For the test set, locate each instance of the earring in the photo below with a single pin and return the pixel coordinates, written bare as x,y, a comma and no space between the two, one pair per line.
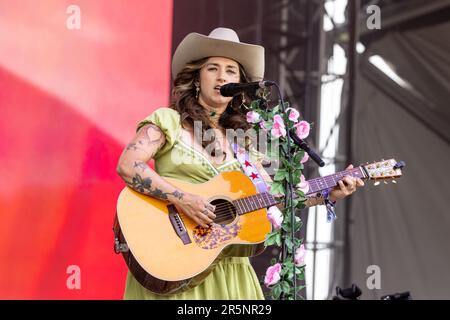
197,89
243,102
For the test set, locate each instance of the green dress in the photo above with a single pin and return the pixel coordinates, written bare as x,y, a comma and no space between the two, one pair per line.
233,277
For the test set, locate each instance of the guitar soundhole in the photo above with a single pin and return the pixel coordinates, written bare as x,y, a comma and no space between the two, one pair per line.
225,211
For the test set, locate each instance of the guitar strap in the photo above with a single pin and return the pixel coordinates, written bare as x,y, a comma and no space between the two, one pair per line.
249,168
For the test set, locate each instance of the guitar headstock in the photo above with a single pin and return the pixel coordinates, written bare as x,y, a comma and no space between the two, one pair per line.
384,170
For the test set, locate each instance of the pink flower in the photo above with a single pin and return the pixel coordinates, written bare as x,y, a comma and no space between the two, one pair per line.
272,275
278,128
303,185
293,114
275,216
302,129
305,158
299,257
253,117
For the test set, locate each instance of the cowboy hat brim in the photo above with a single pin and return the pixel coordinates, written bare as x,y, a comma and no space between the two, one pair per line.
196,46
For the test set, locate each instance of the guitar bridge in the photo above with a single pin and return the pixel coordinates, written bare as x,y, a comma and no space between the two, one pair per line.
178,224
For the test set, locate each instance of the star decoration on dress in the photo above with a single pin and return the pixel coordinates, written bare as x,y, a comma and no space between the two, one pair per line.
253,176
247,164
241,151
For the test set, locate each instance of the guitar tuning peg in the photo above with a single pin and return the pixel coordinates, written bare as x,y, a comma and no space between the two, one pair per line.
385,182
376,183
393,181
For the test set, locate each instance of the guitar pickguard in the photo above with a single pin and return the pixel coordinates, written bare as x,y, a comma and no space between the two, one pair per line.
216,235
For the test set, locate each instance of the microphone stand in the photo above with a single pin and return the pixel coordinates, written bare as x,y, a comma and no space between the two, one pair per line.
312,154
292,137
288,201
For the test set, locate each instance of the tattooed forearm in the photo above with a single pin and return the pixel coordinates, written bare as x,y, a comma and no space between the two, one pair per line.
140,165
144,185
132,146
177,194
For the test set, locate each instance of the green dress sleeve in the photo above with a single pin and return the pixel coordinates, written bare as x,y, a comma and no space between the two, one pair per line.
168,120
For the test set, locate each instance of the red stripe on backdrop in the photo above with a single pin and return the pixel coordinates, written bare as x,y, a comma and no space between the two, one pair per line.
69,101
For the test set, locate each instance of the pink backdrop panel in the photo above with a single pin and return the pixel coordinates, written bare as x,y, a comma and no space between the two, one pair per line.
70,99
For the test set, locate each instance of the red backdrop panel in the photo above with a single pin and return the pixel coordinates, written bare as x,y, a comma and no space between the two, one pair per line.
69,101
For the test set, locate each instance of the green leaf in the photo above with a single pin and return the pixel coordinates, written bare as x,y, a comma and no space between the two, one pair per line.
285,164
278,239
301,204
298,225
272,238
288,263
298,156
276,109
277,188
286,226
276,291
254,105
284,148
289,244
296,176
285,287
268,125
280,175
300,194
300,276
297,243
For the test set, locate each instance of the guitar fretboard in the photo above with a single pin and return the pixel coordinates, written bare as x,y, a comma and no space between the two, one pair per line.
255,202
330,181
265,199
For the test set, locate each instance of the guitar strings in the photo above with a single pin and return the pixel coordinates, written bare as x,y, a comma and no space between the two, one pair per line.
224,209
226,204
226,212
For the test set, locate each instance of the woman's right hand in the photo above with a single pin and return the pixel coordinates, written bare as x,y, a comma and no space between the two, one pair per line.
197,208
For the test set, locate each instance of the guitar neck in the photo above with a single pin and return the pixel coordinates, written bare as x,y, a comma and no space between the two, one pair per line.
265,199
254,202
322,183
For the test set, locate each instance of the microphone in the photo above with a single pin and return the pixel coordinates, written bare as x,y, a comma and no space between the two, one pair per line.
232,89
302,144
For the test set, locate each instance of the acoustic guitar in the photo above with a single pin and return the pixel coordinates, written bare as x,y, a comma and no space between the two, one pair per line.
168,253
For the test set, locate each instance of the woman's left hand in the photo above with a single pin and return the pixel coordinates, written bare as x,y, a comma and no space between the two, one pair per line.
346,186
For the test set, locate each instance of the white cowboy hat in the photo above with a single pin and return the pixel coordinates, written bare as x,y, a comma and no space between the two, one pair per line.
221,42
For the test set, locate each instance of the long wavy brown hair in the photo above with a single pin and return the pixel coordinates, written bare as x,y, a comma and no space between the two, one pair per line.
187,105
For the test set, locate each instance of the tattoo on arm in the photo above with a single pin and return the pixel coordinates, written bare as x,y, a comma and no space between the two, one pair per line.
141,165
144,185
132,146
153,137
177,194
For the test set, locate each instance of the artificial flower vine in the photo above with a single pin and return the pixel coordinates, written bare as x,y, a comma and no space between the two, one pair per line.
279,277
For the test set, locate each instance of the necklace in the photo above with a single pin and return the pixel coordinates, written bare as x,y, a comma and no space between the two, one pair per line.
214,117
